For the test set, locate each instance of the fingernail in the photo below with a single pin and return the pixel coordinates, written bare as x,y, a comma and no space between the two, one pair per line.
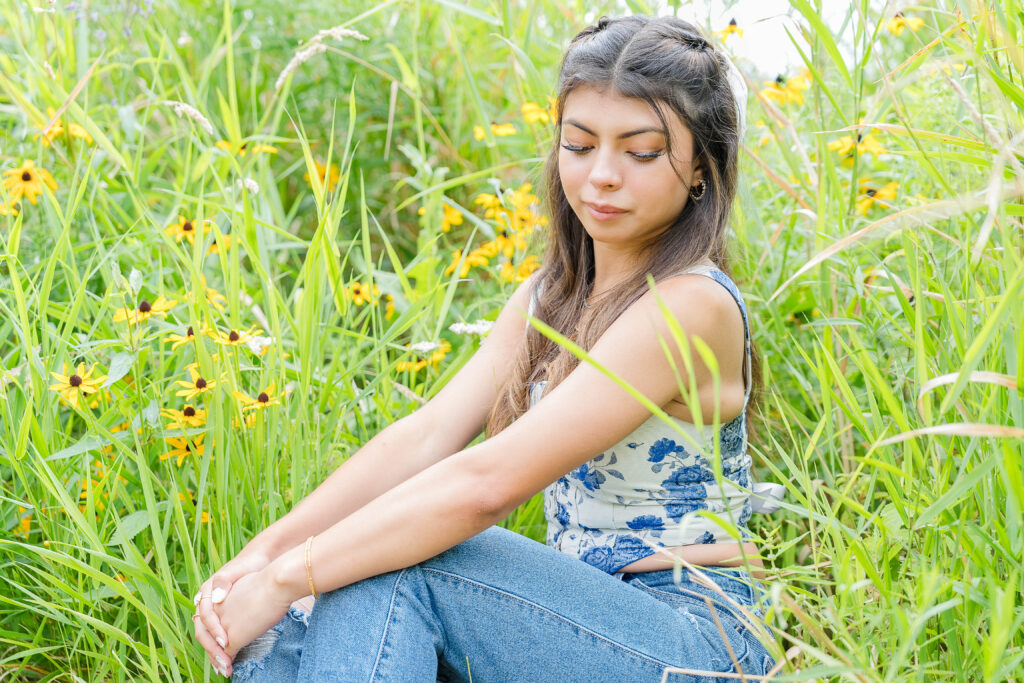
218,595
220,660
221,641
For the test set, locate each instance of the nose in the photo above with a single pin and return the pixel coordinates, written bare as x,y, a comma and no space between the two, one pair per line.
605,173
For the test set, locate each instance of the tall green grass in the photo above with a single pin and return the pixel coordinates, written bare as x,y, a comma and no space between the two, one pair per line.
891,339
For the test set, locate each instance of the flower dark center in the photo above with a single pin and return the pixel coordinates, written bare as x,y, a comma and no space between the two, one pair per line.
75,381
189,332
26,176
189,411
357,289
187,227
899,15
871,191
233,336
200,383
781,81
145,307
244,145
263,398
732,22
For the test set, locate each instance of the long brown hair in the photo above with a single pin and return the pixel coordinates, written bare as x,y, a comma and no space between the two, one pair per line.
670,65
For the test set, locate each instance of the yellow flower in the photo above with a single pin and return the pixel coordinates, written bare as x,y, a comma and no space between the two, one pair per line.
197,386
533,113
491,203
50,133
145,310
27,181
224,242
474,258
784,90
729,30
520,273
871,194
498,129
508,245
242,148
186,229
79,383
553,108
452,216
264,399
188,416
362,293
321,170
25,522
864,144
234,337
8,209
205,517
389,307
899,22
180,339
109,448
438,355
184,447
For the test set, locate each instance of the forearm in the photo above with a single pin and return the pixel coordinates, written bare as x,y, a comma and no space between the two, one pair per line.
429,513
389,458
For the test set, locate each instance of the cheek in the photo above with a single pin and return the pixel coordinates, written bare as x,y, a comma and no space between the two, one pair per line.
572,173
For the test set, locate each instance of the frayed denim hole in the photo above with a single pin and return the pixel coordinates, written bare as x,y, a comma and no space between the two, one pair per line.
299,615
253,657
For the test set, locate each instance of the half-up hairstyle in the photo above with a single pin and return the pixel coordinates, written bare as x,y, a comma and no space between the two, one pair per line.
669,64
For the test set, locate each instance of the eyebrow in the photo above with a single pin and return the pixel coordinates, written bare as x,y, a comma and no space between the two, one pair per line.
627,134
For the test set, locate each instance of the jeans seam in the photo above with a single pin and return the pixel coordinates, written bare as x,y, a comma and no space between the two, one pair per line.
540,608
387,624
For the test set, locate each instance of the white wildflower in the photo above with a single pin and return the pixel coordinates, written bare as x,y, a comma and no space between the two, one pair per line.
314,47
257,344
187,110
480,327
184,39
425,347
250,185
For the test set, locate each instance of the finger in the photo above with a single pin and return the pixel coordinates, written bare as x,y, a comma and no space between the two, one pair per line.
212,622
219,659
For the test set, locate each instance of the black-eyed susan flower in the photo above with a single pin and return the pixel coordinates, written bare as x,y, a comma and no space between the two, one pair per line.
863,144
79,383
27,181
179,339
56,129
183,447
264,399
321,170
785,90
196,386
242,148
187,229
870,194
235,337
363,293
899,22
729,30
145,310
533,113
8,209
222,242
188,416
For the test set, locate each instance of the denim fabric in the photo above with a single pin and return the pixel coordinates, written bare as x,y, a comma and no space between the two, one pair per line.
501,607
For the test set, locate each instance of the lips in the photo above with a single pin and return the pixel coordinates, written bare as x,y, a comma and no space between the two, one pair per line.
603,211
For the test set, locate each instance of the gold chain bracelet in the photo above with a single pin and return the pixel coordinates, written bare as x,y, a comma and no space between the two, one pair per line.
309,568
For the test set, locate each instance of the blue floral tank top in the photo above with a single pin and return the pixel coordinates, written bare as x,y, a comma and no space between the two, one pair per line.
641,493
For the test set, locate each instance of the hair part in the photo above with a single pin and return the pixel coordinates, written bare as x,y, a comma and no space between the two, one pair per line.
669,64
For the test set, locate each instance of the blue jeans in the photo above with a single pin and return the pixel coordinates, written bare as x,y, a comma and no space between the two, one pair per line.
502,607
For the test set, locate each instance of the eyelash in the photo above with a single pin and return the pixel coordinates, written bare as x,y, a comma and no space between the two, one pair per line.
643,158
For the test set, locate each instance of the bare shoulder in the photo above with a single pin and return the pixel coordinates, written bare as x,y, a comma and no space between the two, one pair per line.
701,306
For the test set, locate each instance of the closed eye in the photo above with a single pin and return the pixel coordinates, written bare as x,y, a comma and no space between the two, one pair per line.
639,156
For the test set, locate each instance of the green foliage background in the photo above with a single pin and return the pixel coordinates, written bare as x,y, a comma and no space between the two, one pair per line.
890,330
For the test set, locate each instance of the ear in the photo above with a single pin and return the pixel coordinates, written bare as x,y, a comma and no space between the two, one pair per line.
698,175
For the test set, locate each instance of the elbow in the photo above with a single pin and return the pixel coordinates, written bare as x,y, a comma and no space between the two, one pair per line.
485,487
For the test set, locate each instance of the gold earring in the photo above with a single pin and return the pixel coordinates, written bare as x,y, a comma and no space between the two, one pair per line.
703,189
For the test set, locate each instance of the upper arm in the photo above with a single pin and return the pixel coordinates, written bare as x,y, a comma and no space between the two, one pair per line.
458,413
588,412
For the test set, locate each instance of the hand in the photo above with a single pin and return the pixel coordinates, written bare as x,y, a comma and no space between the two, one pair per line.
254,605
208,629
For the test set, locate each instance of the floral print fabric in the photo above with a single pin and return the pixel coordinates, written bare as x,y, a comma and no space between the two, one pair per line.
642,493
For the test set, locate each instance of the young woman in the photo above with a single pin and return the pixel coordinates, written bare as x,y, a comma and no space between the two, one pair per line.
414,580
